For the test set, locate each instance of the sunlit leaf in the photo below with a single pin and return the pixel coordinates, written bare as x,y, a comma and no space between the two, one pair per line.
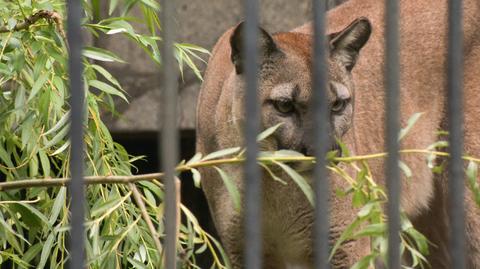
231,188
299,180
221,153
411,121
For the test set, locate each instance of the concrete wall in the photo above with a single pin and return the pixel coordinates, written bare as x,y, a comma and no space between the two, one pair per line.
199,22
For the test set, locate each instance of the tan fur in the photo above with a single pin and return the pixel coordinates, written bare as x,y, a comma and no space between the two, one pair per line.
423,51
423,57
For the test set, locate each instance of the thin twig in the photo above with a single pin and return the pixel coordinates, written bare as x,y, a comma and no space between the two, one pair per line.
28,183
32,19
141,205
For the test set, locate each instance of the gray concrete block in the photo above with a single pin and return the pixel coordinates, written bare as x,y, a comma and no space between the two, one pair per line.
198,22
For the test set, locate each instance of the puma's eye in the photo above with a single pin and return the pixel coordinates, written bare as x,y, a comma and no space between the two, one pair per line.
284,106
339,105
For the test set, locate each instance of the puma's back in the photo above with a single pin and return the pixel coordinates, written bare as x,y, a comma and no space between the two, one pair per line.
423,52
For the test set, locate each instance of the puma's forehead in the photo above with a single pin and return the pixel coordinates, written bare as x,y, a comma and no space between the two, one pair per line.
297,43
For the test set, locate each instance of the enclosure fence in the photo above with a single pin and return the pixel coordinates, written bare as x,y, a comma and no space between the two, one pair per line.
169,138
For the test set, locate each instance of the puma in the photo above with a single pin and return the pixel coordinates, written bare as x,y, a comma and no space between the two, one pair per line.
359,93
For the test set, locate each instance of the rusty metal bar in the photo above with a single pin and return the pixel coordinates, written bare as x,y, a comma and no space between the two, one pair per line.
77,103
169,131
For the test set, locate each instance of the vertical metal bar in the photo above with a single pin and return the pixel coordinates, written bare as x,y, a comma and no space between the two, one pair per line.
76,187
253,221
321,140
455,124
169,131
392,173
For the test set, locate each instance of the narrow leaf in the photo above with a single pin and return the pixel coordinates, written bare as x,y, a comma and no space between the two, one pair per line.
268,132
231,188
299,180
38,85
221,153
104,87
413,119
196,177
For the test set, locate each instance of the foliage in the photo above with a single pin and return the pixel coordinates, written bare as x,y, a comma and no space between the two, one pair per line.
34,115
34,126
365,194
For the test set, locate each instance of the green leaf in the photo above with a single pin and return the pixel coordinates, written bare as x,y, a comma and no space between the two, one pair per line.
359,198
61,148
193,47
32,252
44,162
419,239
57,205
38,85
299,180
60,123
107,88
221,153
105,206
39,65
112,6
35,212
365,263
231,188
101,55
375,229
151,3
5,157
196,177
47,248
136,264
366,209
287,153
268,132
413,119
346,234
197,157
107,75
405,169
272,175
473,181
58,137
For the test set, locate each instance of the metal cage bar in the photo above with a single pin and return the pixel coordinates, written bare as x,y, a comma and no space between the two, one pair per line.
169,132
455,128
392,104
321,140
252,222
77,103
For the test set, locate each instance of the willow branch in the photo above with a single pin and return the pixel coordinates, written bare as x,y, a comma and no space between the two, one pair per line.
32,19
141,205
54,182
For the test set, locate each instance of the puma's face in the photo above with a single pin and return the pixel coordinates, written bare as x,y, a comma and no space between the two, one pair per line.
285,84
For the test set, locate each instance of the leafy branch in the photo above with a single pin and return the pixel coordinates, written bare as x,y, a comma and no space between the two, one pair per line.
207,162
32,19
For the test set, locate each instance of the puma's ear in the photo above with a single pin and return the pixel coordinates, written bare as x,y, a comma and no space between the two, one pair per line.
346,44
267,46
